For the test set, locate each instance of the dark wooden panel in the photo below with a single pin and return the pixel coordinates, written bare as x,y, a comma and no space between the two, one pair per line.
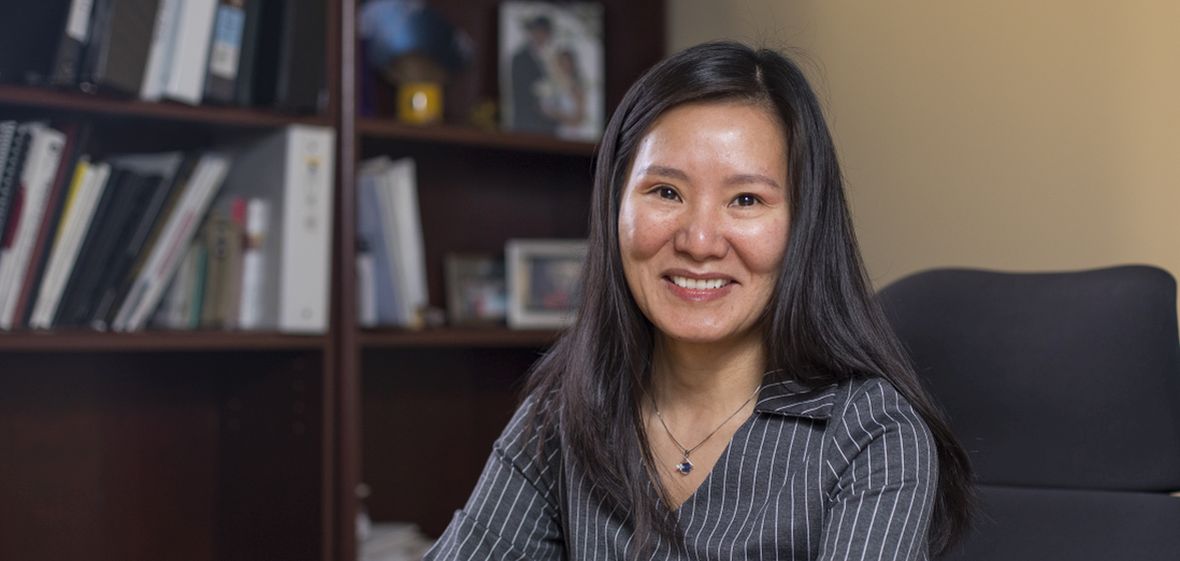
155,456
270,485
429,422
106,459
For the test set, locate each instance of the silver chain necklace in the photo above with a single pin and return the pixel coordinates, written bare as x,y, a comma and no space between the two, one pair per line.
686,466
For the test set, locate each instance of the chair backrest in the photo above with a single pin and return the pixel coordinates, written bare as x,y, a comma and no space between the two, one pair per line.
1056,380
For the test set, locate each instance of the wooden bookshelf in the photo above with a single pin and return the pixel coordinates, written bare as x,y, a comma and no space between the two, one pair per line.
472,337
375,128
74,104
154,341
195,445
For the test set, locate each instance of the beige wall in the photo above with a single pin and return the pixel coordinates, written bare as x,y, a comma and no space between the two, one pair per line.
1007,134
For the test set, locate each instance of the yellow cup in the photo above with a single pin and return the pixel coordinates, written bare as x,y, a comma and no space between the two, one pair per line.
419,102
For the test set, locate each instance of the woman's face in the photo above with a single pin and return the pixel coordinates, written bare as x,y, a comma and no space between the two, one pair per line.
703,220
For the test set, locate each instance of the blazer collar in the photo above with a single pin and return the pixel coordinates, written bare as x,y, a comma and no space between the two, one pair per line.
791,398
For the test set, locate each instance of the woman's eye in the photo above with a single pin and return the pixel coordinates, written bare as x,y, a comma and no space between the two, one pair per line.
667,193
745,199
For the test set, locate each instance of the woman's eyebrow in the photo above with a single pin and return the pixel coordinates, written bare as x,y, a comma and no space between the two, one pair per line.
665,171
746,178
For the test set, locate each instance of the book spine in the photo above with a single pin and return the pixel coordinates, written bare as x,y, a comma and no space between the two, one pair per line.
186,81
10,177
74,39
300,83
49,286
254,264
232,288
225,52
408,225
214,235
306,230
163,43
45,156
244,87
127,41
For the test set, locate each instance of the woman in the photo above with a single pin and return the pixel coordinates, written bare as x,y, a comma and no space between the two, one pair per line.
567,102
729,389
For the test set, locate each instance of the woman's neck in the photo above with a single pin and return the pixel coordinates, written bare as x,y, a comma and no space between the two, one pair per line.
706,377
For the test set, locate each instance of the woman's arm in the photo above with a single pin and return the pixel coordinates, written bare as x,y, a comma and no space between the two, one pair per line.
513,512
886,465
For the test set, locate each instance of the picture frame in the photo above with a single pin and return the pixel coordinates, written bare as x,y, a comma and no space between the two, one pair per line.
476,287
543,282
551,69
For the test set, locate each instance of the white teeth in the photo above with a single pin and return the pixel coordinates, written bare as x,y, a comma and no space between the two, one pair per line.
698,284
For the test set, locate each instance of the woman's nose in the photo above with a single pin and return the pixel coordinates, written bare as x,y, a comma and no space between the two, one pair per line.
701,234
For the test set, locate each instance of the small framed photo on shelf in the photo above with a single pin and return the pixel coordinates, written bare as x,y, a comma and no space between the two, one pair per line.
551,68
543,282
476,289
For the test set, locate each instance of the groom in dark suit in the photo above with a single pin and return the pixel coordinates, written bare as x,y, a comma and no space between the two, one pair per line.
528,72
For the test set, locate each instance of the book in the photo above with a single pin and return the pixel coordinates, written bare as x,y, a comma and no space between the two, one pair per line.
225,53
194,27
366,290
76,137
247,60
212,237
167,169
100,23
371,227
163,44
90,184
180,309
10,177
36,182
222,238
292,169
398,197
177,169
232,289
8,139
289,71
72,44
168,250
253,263
88,264
133,193
121,42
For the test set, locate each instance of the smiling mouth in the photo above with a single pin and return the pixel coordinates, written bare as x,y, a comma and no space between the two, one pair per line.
698,284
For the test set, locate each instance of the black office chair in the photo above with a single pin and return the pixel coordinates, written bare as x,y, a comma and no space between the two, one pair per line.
1065,390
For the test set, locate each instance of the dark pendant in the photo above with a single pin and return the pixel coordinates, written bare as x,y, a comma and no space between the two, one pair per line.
684,467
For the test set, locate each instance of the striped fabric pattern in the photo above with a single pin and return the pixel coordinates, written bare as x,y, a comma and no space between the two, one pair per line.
843,473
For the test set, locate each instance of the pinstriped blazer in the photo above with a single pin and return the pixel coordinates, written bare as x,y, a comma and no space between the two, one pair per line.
846,472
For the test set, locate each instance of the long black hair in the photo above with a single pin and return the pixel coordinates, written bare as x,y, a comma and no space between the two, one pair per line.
822,325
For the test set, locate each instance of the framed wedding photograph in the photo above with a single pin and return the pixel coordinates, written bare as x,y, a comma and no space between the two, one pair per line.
543,282
551,69
477,293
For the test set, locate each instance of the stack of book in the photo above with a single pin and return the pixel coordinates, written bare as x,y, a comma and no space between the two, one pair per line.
96,243
391,262
259,53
